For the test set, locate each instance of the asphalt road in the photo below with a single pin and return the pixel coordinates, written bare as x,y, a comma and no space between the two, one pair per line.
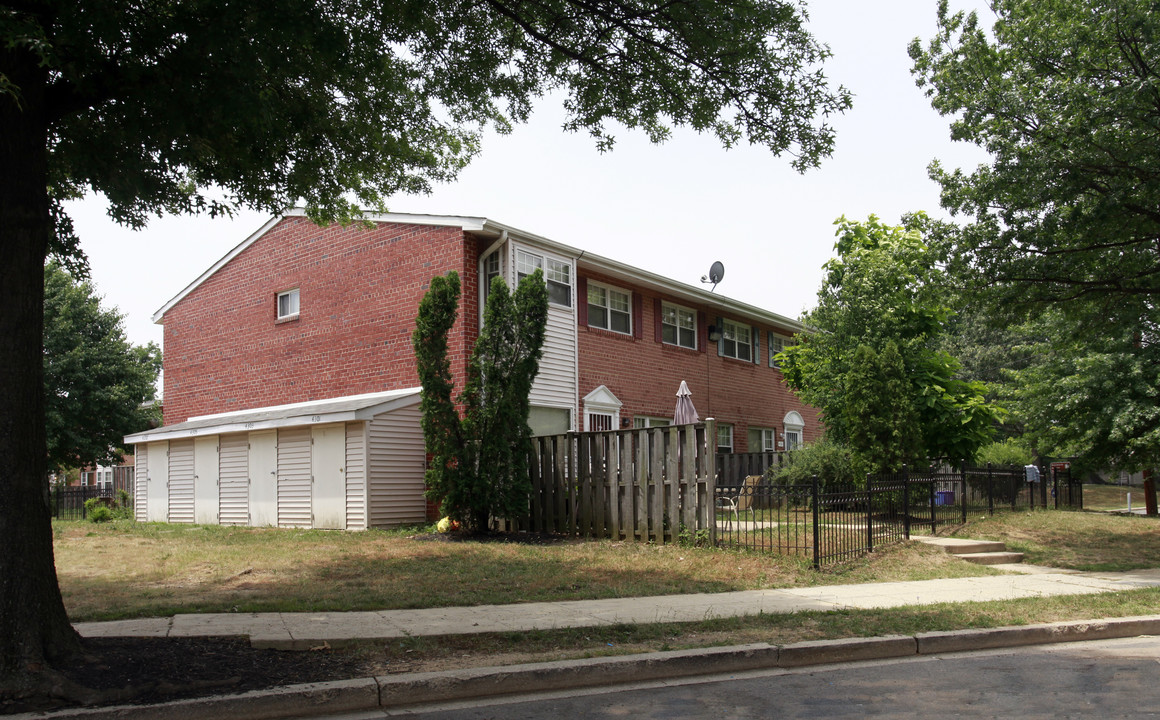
1099,679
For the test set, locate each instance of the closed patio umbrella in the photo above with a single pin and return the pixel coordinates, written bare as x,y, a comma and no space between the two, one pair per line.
685,412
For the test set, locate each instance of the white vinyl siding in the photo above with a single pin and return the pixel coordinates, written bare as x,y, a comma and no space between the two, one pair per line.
294,477
141,488
157,508
356,476
181,480
205,480
396,457
233,474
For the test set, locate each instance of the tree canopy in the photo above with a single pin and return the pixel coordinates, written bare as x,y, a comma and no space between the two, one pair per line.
95,382
871,358
1065,96
210,105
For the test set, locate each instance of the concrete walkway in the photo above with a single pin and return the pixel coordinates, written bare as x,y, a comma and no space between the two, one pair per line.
300,631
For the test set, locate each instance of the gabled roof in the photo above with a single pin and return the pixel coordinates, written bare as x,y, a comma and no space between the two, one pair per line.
315,412
491,229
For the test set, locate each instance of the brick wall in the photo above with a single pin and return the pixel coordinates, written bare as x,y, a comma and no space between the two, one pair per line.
645,373
359,290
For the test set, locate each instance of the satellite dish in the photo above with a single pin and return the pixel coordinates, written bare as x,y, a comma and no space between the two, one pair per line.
716,272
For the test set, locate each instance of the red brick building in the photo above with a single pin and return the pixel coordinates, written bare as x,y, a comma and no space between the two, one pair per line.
298,316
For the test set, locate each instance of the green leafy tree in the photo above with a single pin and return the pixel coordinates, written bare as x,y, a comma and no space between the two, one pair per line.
95,382
208,105
479,467
882,290
1062,94
879,414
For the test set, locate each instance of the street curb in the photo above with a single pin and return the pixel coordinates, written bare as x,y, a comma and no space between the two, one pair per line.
394,691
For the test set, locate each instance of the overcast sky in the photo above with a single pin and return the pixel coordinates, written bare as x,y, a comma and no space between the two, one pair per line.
672,209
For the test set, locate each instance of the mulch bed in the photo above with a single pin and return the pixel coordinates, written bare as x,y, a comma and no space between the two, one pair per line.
153,670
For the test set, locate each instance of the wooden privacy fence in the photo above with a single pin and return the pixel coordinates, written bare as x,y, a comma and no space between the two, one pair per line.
648,484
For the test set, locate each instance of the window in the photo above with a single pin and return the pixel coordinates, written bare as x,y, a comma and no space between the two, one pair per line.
609,309
793,439
736,340
794,425
557,274
599,422
288,304
762,440
491,270
777,343
644,421
678,326
724,438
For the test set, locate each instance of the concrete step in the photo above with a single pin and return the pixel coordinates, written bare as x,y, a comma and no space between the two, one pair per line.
991,558
960,546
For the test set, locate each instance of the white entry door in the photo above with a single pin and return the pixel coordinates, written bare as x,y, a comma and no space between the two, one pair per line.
328,466
263,469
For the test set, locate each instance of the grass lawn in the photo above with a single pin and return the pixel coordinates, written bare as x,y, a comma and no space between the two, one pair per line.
1076,540
126,569
1112,497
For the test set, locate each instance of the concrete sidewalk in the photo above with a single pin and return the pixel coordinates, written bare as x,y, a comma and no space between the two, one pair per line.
299,631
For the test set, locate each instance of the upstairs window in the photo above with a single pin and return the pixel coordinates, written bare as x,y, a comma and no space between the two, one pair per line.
678,326
736,341
777,343
609,309
288,304
491,270
557,274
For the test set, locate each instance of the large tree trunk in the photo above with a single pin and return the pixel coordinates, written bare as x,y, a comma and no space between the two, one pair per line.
35,633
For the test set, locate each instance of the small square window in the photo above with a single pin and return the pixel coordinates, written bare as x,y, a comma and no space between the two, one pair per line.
288,304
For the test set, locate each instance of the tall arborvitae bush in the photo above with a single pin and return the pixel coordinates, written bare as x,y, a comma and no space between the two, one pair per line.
479,463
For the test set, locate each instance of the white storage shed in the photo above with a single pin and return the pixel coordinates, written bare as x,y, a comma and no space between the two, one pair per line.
345,463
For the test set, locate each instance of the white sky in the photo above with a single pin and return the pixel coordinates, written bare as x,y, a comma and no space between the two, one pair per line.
671,209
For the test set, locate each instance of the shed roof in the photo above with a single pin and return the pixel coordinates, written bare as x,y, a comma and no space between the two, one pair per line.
314,412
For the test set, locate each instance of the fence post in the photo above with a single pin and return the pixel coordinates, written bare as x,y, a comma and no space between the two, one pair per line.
869,513
817,524
963,490
905,503
990,492
1055,487
933,512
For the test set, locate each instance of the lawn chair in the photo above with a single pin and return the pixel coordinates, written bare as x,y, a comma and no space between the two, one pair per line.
741,501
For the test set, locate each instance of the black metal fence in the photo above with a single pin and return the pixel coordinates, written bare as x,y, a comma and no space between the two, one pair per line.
68,502
828,522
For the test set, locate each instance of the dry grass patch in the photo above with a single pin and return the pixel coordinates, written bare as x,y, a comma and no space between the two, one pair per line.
141,570
1075,540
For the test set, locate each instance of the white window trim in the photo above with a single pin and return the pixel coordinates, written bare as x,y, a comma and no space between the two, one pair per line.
650,421
765,434
691,311
294,293
541,261
602,401
794,428
786,341
608,309
732,439
725,324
